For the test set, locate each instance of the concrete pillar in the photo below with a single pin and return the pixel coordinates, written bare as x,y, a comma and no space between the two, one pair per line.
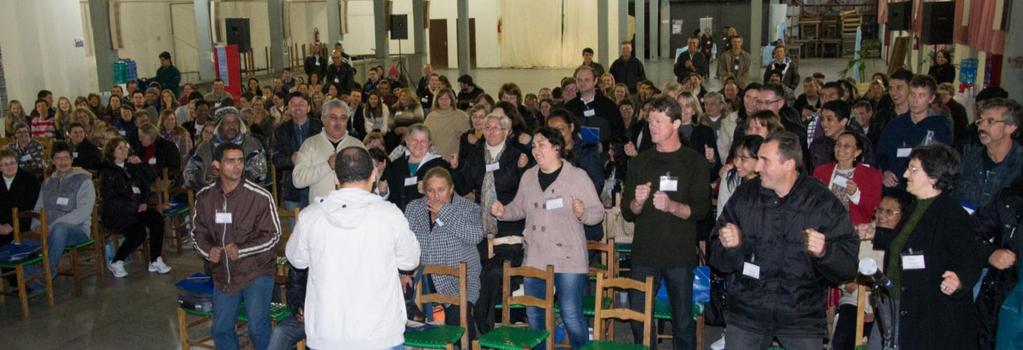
623,25
666,51
381,28
204,39
639,47
99,15
333,22
275,13
418,26
655,24
756,23
463,37
602,29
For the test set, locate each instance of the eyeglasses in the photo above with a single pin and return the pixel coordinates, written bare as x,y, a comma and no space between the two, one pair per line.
767,102
886,212
988,121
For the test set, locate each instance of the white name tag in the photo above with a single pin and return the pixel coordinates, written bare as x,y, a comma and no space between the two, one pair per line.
439,223
317,63
840,181
751,270
26,158
135,190
589,113
556,203
903,152
121,132
411,181
152,161
493,167
425,99
74,155
913,262
223,218
668,184
337,80
62,201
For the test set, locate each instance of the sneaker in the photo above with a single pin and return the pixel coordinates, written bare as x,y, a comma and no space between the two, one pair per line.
117,268
159,266
720,344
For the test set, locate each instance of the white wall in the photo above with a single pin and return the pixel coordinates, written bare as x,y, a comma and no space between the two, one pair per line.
37,39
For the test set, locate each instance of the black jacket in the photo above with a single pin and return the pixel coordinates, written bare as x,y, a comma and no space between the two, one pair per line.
466,98
628,72
587,157
702,137
311,66
699,62
285,145
603,114
465,148
120,202
22,194
166,157
929,319
87,156
996,225
639,135
396,173
472,169
789,297
342,76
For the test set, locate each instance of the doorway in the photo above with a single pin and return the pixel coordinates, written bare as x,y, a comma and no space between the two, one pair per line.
439,43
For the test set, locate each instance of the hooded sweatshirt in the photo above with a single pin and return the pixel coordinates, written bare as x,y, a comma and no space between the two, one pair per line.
353,242
68,199
197,169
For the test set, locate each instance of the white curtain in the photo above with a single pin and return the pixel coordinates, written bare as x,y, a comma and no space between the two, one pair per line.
534,35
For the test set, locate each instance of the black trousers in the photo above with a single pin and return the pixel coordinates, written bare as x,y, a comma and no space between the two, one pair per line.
135,234
845,330
679,283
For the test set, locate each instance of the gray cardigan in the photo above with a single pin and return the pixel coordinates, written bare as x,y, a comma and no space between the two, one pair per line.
451,240
555,236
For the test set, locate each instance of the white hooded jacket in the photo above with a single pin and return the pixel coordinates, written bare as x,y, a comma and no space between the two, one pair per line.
353,242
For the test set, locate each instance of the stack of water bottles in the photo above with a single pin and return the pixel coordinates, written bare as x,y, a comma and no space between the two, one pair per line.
125,70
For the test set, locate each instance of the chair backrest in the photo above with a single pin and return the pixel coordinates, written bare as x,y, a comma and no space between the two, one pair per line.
608,257
273,182
606,288
547,304
462,299
42,234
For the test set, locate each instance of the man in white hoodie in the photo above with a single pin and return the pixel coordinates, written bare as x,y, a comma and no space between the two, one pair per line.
314,161
354,243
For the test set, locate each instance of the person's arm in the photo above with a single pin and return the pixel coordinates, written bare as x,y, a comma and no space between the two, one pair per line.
965,254
268,231
463,222
841,247
297,249
515,210
406,249
727,260
594,212
629,190
255,166
194,174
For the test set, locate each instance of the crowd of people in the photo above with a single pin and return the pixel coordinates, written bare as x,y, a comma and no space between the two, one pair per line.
781,194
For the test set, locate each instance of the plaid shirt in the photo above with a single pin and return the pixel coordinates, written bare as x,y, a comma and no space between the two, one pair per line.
449,241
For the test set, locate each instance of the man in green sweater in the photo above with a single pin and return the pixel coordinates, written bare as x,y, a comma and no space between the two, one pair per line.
667,189
168,75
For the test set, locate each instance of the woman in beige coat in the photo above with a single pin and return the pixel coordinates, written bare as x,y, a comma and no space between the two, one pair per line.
556,199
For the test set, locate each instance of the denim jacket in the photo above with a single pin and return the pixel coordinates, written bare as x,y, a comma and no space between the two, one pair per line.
977,186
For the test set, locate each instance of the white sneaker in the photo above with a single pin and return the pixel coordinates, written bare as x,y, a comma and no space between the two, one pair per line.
117,268
719,345
159,266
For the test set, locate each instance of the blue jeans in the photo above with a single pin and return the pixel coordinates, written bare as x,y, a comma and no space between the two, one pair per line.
569,296
61,236
257,307
287,334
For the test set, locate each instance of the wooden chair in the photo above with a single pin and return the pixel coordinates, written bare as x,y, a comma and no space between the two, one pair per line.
608,286
443,336
81,255
507,337
273,182
19,268
174,216
287,218
188,319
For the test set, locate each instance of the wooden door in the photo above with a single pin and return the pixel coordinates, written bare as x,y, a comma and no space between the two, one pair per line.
472,43
439,43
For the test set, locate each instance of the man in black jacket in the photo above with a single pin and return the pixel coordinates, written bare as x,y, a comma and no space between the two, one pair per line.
339,74
627,69
596,115
288,138
691,61
315,63
786,240
289,332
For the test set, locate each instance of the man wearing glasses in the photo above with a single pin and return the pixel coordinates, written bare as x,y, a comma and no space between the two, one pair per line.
988,169
314,162
772,97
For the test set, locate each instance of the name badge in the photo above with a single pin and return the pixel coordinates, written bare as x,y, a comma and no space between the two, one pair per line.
62,201
903,152
589,113
492,167
337,80
135,190
556,203
751,270
668,184
425,99
74,155
411,181
152,161
223,218
317,63
736,68
840,181
122,132
913,262
439,223
26,158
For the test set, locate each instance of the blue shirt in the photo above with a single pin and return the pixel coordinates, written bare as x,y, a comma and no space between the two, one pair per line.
902,133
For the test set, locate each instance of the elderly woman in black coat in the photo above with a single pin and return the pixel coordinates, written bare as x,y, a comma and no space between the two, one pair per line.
932,259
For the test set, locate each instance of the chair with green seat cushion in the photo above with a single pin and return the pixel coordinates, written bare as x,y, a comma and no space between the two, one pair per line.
606,287
508,337
443,337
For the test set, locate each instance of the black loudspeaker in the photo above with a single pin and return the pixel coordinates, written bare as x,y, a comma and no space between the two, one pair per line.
399,27
939,22
238,33
899,14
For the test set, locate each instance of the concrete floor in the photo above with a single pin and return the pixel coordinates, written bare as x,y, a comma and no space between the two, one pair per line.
138,312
